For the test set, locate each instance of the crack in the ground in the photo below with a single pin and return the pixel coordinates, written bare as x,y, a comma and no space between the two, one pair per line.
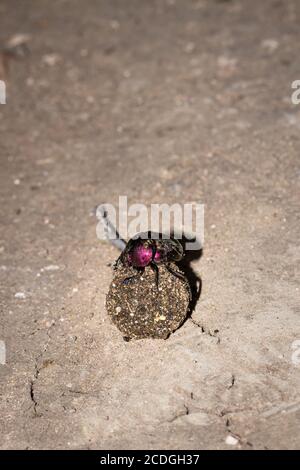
220,415
184,412
37,370
232,382
231,412
204,330
234,434
32,391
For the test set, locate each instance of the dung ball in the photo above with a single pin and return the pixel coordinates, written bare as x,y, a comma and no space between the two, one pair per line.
142,309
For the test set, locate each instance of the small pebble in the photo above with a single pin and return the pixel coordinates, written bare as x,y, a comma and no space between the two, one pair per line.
115,24
270,44
190,47
51,59
231,440
20,295
51,267
2,353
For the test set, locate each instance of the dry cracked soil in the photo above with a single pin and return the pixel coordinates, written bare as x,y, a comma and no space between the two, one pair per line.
162,101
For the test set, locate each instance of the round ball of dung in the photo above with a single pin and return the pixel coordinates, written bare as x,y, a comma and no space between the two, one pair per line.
141,308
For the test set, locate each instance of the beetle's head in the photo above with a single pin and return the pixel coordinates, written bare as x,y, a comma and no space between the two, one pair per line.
141,254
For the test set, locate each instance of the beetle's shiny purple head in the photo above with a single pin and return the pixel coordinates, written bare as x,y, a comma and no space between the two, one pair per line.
140,252
140,256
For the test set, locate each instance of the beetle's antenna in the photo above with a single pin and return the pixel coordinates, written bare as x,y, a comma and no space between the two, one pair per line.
111,233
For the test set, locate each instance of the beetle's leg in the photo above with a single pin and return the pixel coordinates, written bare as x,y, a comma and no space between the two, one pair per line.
156,270
180,276
117,262
175,273
133,278
130,279
121,260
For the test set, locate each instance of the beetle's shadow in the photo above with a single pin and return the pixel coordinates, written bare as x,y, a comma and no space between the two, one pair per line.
184,265
194,279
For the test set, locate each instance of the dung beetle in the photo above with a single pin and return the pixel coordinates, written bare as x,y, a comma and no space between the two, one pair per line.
144,249
151,249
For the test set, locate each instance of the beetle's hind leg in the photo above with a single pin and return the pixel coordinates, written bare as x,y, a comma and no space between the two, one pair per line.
175,273
180,276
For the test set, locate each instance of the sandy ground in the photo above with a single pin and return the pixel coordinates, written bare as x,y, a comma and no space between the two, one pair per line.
162,101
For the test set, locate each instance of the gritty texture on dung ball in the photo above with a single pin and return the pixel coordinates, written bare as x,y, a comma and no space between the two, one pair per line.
140,310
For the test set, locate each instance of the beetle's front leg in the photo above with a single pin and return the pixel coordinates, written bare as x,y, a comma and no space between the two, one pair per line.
156,270
116,263
130,279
